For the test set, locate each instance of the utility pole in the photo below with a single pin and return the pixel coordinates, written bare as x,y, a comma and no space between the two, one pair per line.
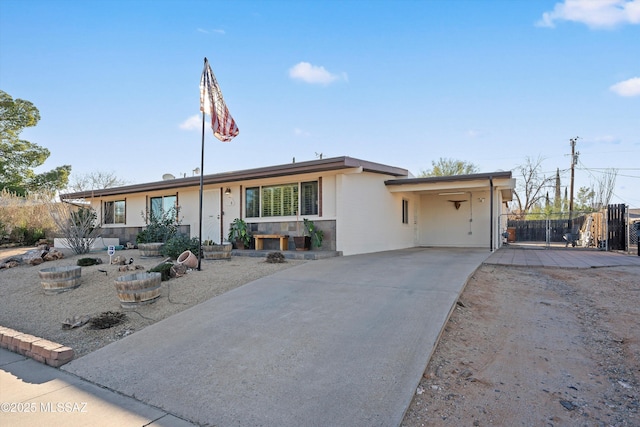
574,160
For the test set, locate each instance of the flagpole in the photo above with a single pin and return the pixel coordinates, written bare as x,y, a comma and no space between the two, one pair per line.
201,186
223,126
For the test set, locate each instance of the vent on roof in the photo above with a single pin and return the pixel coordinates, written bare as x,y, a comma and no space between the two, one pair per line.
168,176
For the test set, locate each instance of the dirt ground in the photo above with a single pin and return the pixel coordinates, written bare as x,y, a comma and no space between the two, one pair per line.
537,347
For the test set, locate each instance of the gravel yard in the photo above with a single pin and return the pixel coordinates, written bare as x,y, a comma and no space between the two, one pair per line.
25,307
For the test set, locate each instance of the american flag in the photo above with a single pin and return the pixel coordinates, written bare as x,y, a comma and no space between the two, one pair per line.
212,103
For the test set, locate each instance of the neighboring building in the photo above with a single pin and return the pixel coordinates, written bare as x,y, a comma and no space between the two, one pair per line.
361,206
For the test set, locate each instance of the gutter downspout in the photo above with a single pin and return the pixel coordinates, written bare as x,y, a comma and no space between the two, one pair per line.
491,214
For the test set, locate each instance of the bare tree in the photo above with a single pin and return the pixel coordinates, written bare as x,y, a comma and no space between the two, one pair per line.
95,181
604,186
531,185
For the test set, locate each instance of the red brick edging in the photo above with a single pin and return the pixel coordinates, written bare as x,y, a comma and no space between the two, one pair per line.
41,350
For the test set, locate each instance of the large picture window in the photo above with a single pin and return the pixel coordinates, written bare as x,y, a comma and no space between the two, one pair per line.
114,212
282,200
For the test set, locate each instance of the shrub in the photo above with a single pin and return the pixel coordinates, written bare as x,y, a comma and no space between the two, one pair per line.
76,224
29,214
85,262
160,228
164,270
26,236
275,258
178,244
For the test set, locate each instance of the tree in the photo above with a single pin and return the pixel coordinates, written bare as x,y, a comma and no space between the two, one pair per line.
531,185
19,157
448,167
95,181
585,199
604,188
557,200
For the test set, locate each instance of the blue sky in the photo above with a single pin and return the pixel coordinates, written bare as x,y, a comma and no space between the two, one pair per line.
402,83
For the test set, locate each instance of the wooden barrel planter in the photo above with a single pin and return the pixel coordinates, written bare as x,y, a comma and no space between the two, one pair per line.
149,250
138,289
60,279
222,251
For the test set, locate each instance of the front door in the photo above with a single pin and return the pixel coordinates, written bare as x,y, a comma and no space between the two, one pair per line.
211,215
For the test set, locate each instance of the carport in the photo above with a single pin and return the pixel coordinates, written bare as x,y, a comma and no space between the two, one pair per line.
459,210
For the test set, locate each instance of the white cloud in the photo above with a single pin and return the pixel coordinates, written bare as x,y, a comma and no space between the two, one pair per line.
629,87
193,122
313,74
594,13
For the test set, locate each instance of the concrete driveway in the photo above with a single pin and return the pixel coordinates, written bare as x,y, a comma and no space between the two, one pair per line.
335,342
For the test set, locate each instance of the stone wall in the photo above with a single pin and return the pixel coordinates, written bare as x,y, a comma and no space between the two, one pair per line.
295,228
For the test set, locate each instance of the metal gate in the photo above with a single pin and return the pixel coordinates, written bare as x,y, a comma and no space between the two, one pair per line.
617,226
604,230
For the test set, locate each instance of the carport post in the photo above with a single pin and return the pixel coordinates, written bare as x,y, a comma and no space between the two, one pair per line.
491,213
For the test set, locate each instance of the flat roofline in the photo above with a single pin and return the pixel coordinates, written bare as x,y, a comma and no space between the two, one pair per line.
451,178
311,166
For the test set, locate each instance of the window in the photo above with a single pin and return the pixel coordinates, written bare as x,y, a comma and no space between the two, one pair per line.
252,208
161,205
309,198
280,200
405,211
114,212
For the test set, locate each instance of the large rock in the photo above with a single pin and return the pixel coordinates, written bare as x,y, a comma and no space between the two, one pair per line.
53,255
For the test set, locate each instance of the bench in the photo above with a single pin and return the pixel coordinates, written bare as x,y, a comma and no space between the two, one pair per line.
259,238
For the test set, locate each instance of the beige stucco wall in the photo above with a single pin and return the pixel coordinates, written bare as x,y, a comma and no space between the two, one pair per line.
369,217
443,225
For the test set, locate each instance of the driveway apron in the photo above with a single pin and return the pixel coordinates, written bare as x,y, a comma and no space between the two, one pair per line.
335,342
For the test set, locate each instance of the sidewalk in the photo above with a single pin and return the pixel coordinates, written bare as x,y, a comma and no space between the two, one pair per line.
560,257
32,394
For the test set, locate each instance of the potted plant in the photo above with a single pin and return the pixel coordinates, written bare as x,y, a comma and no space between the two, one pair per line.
159,229
239,234
312,236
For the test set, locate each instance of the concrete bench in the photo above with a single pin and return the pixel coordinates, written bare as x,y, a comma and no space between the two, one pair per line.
259,238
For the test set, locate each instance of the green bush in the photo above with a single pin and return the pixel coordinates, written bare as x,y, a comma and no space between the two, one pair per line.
85,262
164,270
26,236
159,229
178,244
